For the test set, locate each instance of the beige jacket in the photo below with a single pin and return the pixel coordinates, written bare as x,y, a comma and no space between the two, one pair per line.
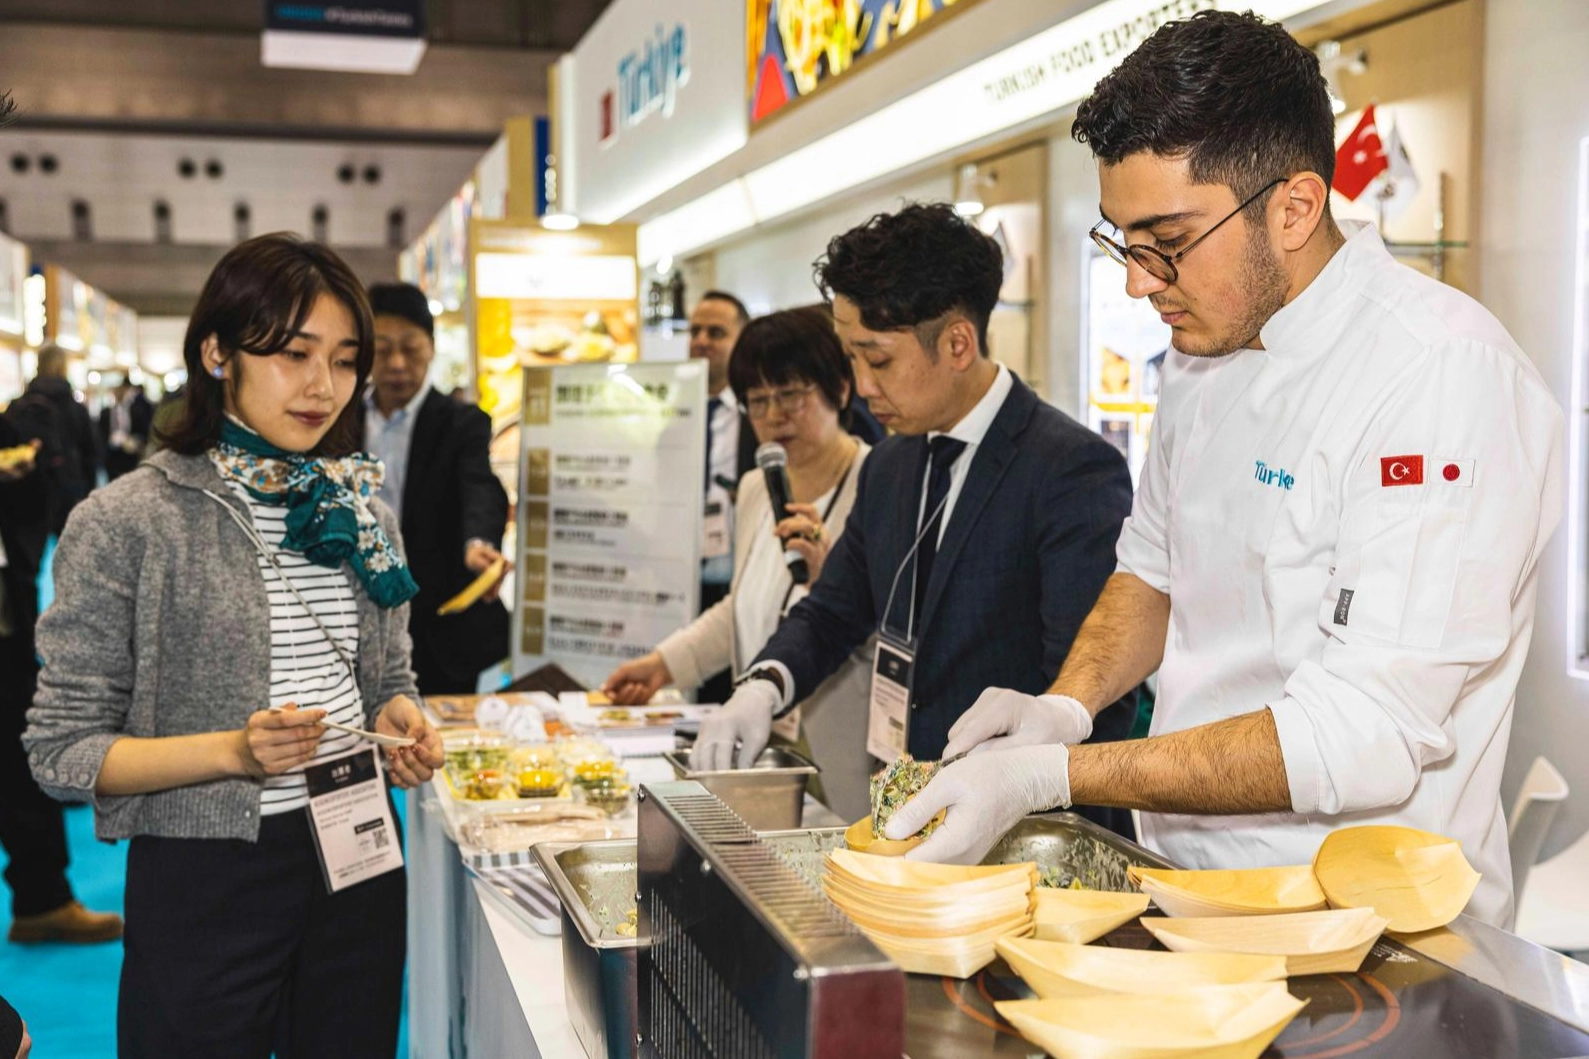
834,716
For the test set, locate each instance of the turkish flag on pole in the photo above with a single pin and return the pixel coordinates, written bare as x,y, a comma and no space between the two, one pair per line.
1360,158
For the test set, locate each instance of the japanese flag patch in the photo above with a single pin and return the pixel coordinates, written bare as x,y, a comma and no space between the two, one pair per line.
1448,471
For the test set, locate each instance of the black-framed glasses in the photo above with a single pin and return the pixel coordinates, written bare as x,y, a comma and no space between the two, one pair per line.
1157,263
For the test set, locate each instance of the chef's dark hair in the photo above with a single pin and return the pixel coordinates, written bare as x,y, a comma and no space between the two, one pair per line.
1233,94
254,303
793,347
909,270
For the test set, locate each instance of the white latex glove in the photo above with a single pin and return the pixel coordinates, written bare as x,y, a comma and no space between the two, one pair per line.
1001,719
986,795
743,722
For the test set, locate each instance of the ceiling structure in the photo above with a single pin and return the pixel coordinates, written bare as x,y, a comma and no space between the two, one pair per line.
157,119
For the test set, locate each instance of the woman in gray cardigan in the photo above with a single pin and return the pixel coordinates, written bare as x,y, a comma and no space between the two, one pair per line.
795,383
212,608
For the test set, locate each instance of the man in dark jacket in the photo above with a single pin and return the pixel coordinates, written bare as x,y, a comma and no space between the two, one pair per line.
31,827
51,412
440,483
124,429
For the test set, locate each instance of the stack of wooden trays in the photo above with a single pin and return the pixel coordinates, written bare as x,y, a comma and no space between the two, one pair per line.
938,919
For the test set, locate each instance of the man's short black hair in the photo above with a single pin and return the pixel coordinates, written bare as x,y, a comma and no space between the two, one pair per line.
723,296
405,301
912,268
1233,94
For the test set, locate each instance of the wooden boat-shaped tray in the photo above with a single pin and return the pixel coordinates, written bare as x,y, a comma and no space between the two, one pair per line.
1058,969
1214,1022
1414,879
1333,941
1231,892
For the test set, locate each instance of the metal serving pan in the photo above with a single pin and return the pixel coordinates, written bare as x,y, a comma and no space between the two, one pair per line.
768,796
595,884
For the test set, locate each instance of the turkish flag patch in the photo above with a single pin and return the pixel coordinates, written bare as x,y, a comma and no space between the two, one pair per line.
1400,470
1453,472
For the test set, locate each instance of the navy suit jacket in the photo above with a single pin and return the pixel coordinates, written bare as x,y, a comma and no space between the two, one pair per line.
1029,545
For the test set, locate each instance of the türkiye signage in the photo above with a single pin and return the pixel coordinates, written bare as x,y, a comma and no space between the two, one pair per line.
649,79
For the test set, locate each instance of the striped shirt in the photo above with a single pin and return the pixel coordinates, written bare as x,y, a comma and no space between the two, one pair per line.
304,668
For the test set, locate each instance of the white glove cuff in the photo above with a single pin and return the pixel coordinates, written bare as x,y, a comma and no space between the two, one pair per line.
1076,719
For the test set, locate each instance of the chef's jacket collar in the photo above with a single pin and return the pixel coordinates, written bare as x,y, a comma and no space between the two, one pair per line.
1296,325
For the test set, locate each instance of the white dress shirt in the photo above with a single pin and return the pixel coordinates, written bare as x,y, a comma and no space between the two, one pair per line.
1348,525
723,464
971,429
389,440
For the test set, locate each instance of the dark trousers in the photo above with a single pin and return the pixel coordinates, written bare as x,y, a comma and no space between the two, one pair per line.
31,827
235,950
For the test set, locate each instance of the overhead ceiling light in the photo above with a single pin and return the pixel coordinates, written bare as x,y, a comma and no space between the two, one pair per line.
968,203
560,222
664,264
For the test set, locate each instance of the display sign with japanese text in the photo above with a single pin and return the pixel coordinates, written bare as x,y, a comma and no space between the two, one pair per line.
609,512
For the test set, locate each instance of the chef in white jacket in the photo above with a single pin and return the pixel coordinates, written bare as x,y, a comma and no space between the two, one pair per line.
1332,556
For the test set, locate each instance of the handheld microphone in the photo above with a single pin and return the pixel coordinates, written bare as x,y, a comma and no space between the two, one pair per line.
774,464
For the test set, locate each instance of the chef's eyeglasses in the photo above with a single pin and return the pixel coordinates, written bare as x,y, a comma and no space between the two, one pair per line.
1157,263
790,401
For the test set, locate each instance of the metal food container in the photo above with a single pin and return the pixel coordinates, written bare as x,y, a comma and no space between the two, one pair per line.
768,796
595,883
1065,847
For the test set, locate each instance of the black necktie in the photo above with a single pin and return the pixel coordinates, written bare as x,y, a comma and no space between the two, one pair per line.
711,414
944,451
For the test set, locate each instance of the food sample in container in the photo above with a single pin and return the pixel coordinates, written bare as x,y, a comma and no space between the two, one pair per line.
539,756
892,786
484,785
469,753
597,772
610,795
540,783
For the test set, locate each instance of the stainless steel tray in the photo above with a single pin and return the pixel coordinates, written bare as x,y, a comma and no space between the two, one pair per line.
595,884
1065,845
768,796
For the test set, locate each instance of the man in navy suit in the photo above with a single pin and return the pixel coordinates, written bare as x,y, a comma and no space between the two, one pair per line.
983,531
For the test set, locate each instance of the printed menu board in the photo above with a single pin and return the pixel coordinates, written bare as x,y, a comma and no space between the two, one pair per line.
609,512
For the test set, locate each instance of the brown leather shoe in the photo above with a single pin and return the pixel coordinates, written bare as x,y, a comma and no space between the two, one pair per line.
71,922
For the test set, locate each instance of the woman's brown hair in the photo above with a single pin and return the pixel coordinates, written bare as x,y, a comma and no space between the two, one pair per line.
254,302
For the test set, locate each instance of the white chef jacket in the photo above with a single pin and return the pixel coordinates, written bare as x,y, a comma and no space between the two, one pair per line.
1348,524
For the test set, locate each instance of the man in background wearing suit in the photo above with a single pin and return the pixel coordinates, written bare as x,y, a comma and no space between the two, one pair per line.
715,324
982,532
124,429
439,481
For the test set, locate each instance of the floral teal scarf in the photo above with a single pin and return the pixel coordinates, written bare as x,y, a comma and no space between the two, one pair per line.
328,508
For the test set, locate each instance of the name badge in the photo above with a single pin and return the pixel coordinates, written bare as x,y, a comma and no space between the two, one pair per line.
716,543
888,721
352,819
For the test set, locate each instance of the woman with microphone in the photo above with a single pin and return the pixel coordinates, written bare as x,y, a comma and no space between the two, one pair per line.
795,384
